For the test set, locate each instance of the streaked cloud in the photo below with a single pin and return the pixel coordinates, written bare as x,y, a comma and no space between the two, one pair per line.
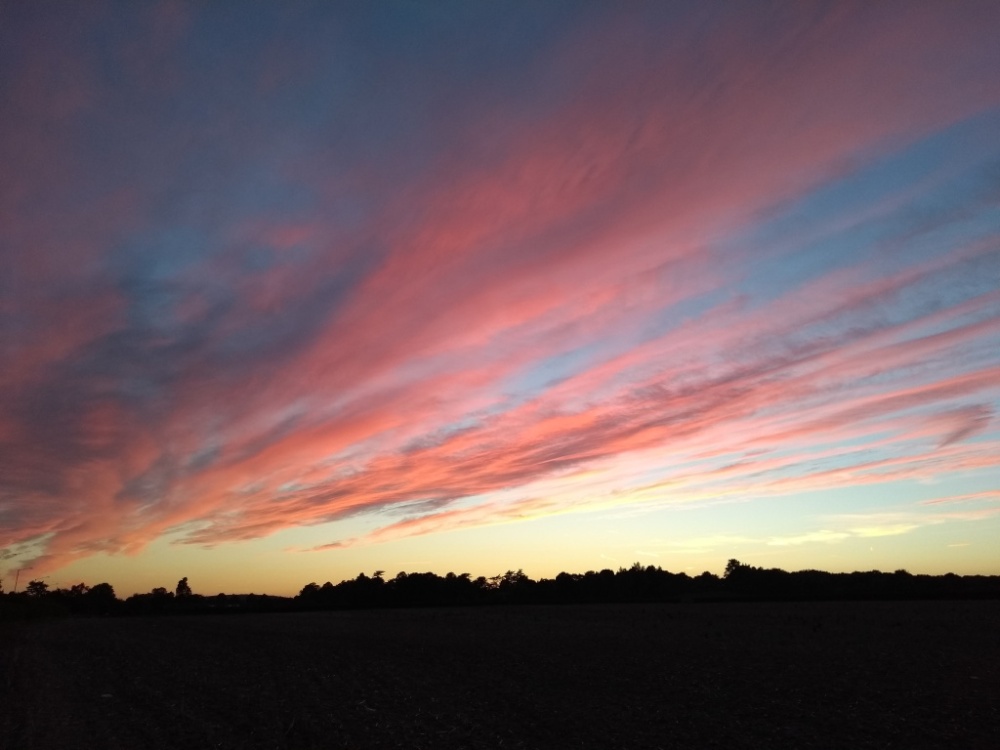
402,277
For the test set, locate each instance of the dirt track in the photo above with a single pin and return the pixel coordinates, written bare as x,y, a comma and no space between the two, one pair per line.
663,676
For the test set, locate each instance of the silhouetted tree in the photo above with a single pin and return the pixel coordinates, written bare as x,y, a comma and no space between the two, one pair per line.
309,590
101,599
183,589
37,589
733,567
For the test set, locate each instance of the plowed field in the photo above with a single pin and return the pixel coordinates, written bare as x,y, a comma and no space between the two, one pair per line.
816,675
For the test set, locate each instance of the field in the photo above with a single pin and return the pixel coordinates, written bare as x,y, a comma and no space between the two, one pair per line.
815,675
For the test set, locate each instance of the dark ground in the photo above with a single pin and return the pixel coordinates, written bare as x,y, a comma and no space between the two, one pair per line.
814,675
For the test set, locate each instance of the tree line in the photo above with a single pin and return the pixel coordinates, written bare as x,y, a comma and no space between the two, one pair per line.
39,600
638,583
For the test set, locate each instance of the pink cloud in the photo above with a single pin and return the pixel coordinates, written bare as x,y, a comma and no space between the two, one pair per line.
571,230
988,496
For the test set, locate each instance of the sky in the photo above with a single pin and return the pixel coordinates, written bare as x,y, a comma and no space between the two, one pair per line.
293,291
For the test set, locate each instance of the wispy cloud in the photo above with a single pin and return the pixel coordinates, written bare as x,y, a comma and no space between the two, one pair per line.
615,273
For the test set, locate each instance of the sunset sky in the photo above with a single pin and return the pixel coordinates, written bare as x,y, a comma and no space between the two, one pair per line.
291,291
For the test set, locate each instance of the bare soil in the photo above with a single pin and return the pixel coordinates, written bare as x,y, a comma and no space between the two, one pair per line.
814,675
